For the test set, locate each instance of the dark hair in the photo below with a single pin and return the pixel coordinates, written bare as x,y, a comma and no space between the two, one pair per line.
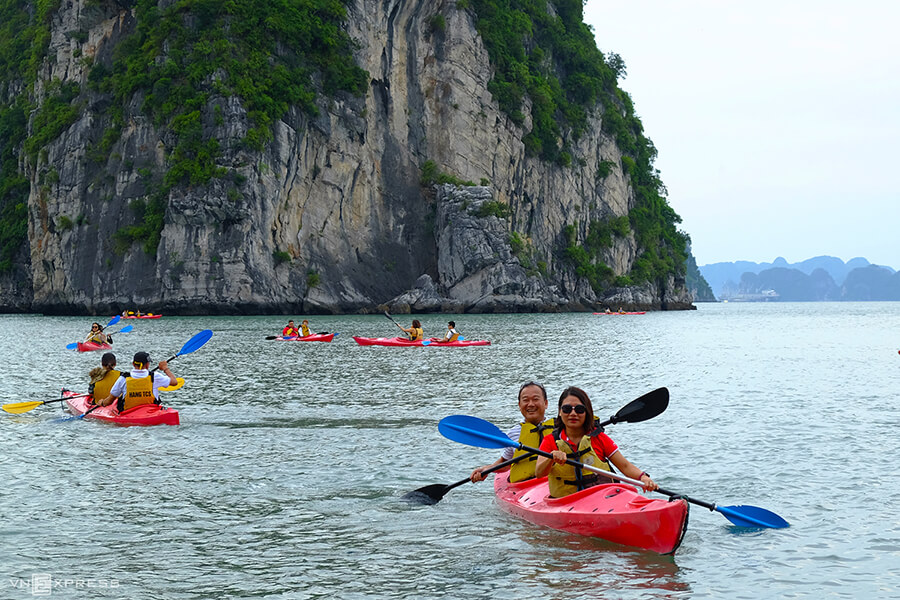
416,324
452,323
291,321
583,398
141,358
529,384
99,326
108,360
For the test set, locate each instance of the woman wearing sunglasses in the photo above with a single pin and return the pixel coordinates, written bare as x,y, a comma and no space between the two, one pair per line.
97,336
576,437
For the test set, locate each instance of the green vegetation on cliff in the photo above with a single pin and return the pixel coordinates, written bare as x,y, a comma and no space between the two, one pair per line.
544,51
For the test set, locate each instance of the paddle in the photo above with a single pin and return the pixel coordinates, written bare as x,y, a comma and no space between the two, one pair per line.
473,431
646,407
424,342
113,321
192,345
171,388
125,329
23,407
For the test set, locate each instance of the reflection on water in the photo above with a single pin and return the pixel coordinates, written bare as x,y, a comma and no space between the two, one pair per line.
287,475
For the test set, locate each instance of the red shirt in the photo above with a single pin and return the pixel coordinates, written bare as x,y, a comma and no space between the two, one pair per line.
289,331
602,444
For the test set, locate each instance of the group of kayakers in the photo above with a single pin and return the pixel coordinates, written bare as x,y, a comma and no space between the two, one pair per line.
414,333
573,434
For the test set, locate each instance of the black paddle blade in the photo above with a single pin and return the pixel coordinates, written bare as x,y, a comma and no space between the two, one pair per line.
646,407
430,494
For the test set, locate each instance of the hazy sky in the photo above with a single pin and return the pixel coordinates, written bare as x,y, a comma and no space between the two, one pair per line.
777,123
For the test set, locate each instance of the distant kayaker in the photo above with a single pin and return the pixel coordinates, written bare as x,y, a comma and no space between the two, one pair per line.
290,330
415,332
304,328
530,432
138,387
451,335
577,437
97,336
103,377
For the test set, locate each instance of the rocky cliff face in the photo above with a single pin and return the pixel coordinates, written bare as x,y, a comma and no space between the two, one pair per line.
331,216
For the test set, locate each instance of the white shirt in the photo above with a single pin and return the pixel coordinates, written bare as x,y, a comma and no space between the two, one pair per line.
159,380
450,332
512,433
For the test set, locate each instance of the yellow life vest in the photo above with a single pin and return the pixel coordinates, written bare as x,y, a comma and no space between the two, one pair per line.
101,388
454,337
566,479
530,435
416,334
97,338
304,330
137,392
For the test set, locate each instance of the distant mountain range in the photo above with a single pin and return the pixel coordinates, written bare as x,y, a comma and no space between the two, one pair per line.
814,279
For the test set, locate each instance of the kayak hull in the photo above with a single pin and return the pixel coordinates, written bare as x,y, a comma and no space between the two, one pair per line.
92,346
145,414
143,317
614,512
315,337
432,342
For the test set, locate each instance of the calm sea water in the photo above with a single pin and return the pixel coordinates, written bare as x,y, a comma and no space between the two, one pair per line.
285,477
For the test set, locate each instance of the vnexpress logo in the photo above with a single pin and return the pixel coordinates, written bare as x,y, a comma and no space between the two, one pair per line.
43,584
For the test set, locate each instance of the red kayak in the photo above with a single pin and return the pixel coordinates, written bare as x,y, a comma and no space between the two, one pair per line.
432,342
143,317
313,337
643,312
145,414
91,346
615,512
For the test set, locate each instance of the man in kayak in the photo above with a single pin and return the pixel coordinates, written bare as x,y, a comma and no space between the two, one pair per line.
576,436
290,330
450,336
140,386
530,432
103,377
415,332
97,336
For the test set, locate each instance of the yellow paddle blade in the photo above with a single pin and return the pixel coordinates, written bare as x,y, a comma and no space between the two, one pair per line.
172,388
21,407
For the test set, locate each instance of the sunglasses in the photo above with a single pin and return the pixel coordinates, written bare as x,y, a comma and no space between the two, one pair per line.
578,408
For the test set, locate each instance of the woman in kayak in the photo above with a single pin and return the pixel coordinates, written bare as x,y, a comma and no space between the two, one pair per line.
97,336
415,332
304,328
530,432
577,437
103,377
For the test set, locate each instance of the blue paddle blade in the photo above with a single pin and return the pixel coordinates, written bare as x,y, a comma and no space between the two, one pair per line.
752,516
336,334
473,431
196,342
72,346
114,320
126,329
426,342
461,339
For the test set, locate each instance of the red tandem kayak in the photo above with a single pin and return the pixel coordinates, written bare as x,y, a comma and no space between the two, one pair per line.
315,337
614,512
145,414
91,346
643,312
432,342
143,317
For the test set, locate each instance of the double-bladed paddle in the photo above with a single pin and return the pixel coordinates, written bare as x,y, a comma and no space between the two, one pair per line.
424,342
23,407
113,321
646,407
473,431
192,345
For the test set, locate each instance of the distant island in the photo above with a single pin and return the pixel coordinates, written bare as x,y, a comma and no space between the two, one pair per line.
822,278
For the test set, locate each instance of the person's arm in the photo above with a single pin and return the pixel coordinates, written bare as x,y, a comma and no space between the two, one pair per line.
629,470
117,390
477,475
543,464
164,367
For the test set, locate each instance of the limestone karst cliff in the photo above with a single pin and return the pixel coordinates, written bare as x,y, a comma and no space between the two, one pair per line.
364,197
